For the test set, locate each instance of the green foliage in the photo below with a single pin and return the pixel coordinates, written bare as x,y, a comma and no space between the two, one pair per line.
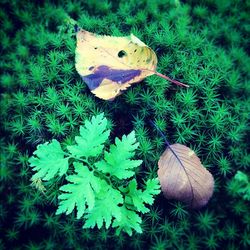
48,161
91,139
117,162
137,197
204,44
179,210
81,190
206,221
107,206
94,190
240,185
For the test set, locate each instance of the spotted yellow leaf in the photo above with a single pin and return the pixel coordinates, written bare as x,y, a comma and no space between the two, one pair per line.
109,65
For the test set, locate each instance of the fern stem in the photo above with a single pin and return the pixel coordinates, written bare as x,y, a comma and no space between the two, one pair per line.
79,159
103,176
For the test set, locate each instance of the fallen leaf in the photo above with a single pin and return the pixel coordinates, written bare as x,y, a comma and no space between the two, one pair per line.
183,177
109,65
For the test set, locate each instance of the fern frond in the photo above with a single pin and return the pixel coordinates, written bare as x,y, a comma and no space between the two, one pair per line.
117,161
79,192
92,137
49,161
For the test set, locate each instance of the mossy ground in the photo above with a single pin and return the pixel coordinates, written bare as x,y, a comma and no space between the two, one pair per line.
202,43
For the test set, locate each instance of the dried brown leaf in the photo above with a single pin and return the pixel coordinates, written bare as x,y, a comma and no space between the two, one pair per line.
183,177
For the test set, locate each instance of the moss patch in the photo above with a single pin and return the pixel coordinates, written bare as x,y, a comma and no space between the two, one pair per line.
201,43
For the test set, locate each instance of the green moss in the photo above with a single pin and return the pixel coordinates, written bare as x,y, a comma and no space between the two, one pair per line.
201,43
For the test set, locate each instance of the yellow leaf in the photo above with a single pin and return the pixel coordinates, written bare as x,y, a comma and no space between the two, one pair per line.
109,65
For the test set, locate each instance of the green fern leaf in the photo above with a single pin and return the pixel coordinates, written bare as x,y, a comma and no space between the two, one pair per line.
152,188
117,162
106,207
92,137
48,161
81,190
93,189
129,220
139,198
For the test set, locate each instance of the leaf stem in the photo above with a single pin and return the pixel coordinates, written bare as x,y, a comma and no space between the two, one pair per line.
161,133
177,157
171,80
